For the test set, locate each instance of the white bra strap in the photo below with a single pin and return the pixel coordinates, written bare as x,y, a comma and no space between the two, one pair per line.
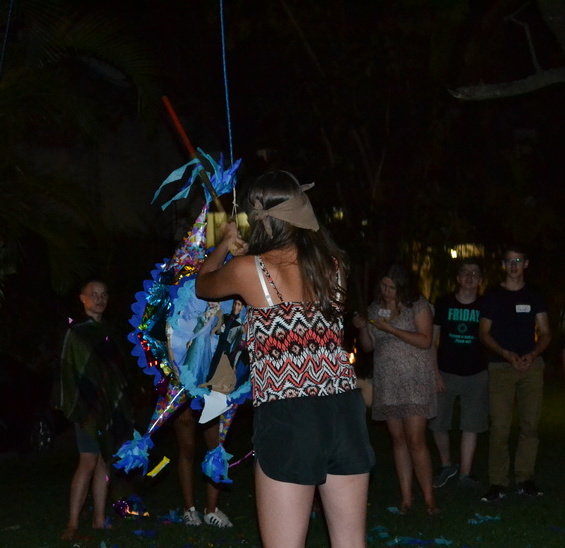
263,282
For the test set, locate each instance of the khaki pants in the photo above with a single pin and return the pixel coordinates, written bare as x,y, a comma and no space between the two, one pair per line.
506,387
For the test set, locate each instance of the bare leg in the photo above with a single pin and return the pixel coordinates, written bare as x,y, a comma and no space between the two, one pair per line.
185,431
212,439
100,493
415,431
345,508
442,444
283,510
468,445
402,461
79,490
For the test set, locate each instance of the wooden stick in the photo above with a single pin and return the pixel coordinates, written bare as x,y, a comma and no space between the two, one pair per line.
192,152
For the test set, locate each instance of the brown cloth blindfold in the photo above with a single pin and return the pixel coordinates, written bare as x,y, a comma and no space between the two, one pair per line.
296,211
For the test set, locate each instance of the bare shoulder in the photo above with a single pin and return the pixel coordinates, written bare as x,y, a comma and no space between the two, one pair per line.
245,280
243,264
241,272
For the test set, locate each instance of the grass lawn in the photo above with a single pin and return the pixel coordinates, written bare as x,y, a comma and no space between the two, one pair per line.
34,500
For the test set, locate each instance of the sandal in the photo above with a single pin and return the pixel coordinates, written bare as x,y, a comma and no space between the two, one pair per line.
432,511
403,510
218,519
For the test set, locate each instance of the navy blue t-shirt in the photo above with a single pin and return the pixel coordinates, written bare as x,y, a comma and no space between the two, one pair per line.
513,316
459,351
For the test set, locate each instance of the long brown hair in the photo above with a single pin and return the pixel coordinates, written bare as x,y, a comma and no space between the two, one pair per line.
407,291
316,251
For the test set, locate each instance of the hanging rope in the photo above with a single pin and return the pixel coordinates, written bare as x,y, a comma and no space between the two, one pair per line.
227,99
5,41
225,71
186,140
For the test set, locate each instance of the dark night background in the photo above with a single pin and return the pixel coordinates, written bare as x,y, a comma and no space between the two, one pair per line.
354,95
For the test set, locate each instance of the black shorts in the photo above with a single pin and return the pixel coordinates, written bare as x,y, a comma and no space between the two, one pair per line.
301,440
85,443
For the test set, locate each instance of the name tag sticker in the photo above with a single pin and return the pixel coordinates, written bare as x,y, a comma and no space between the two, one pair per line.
523,308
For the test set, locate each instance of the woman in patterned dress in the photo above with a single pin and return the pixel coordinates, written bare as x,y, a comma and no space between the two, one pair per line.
398,329
309,422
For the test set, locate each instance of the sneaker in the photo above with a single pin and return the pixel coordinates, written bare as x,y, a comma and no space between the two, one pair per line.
218,519
445,473
191,517
528,488
468,481
494,493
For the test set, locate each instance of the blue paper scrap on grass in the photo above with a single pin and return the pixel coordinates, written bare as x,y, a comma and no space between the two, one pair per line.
150,533
482,519
174,516
382,533
443,541
409,541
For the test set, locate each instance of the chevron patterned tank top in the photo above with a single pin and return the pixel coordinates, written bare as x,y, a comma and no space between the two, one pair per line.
295,352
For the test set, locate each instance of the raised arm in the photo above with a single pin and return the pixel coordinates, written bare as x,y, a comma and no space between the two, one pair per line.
217,279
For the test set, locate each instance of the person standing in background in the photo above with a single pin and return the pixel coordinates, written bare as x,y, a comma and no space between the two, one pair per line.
185,426
94,395
398,328
514,327
462,365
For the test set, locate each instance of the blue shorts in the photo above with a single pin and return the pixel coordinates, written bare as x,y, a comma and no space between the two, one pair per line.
302,440
472,391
